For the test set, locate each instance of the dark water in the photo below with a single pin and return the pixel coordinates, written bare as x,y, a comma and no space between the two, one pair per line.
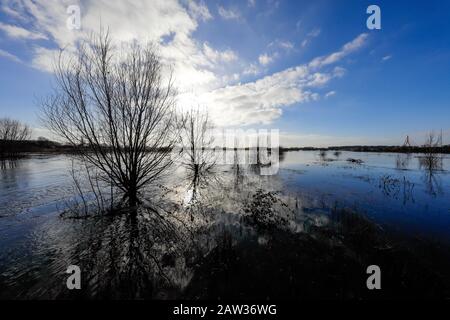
309,231
408,199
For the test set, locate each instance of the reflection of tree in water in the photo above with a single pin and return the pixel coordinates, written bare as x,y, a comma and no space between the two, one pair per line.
9,164
323,155
138,255
432,166
196,155
402,161
200,192
431,162
240,237
325,262
9,171
238,168
433,182
397,188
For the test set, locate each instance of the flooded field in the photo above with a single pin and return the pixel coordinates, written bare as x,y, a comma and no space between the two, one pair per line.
309,231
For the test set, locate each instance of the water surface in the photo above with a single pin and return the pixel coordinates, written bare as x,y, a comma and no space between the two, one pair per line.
227,222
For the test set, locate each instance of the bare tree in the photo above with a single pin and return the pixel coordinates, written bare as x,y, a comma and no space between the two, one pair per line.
117,111
402,161
431,159
194,135
91,195
13,130
323,155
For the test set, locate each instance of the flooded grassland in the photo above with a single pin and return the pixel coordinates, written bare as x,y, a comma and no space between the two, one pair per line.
310,231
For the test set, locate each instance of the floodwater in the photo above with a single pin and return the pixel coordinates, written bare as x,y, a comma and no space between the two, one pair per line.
310,231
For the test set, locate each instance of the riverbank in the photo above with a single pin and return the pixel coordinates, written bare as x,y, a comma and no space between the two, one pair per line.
48,146
392,149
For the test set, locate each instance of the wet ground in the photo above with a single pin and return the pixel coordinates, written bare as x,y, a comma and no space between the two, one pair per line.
308,232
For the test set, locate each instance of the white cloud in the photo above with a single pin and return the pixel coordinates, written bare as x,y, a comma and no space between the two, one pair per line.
348,48
229,14
198,67
44,58
262,101
312,34
265,59
330,94
9,8
251,3
385,58
284,44
129,20
287,45
199,10
20,33
339,71
219,56
7,55
252,69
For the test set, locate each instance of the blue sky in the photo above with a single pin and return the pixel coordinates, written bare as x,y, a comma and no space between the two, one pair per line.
309,68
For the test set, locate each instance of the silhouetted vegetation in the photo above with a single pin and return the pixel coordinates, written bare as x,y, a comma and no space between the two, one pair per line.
112,109
12,135
393,149
431,159
197,154
357,161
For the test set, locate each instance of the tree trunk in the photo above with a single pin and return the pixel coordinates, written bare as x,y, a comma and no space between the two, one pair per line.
132,196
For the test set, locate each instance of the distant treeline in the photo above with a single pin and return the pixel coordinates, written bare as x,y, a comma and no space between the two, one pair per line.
10,148
16,148
396,149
